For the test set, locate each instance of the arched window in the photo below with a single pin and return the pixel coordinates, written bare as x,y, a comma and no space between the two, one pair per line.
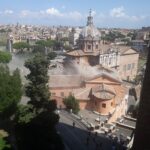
104,105
62,93
96,46
111,103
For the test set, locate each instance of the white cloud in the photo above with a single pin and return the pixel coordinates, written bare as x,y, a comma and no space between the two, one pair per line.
8,12
53,11
25,13
73,15
118,12
137,18
117,16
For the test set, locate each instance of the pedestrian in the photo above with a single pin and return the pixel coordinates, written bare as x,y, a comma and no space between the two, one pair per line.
96,147
73,124
89,133
95,134
113,146
94,139
87,141
100,145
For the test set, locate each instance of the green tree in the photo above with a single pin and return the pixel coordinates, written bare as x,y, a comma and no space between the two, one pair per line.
35,128
38,49
53,44
3,144
47,43
24,114
10,91
132,34
2,30
72,103
37,88
51,55
20,46
67,47
5,57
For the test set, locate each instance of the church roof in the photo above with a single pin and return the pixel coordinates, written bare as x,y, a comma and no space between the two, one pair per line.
107,75
82,53
124,49
64,81
83,94
104,92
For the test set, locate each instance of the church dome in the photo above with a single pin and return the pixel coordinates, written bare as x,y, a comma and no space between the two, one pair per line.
104,92
90,29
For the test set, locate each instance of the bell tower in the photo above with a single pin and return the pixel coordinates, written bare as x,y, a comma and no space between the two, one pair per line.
90,19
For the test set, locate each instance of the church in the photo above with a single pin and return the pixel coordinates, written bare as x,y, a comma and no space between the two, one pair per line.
89,45
104,91
92,51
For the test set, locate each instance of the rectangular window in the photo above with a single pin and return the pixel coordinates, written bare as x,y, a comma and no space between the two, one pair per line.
89,46
124,68
104,105
133,64
53,94
110,60
111,103
96,46
62,93
129,67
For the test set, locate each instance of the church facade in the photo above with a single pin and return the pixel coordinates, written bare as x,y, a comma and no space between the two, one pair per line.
102,93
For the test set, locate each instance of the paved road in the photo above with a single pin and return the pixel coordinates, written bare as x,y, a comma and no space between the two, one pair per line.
76,138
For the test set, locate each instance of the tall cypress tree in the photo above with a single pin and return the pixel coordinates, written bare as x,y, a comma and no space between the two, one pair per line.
36,129
37,88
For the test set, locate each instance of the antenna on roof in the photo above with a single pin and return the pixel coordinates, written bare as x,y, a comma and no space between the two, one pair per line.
90,18
90,12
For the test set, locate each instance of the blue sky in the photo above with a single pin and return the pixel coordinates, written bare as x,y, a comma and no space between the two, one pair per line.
107,13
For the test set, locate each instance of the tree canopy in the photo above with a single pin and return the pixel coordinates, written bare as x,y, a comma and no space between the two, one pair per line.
10,91
53,44
35,128
72,103
5,57
112,36
48,43
51,55
21,45
3,144
37,89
